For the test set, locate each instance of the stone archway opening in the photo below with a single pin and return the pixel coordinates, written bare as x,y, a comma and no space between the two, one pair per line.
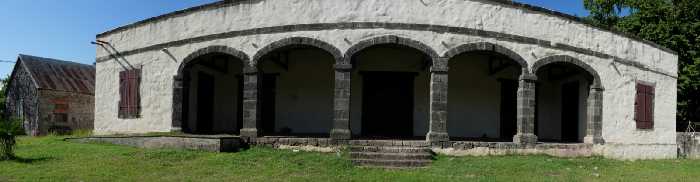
390,92
562,98
482,95
212,94
296,91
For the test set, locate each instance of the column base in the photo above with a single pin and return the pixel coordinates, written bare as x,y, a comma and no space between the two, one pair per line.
341,134
437,137
525,138
250,134
593,140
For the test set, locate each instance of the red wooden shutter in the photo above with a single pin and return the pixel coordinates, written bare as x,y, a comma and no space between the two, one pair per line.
644,107
649,105
134,86
123,92
129,82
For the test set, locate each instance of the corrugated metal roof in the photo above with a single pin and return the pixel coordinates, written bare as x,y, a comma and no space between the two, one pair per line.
53,74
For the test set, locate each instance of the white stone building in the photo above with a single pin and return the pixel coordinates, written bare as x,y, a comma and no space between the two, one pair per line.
520,76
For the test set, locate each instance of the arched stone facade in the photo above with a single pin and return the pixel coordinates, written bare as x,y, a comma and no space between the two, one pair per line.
594,101
529,36
179,87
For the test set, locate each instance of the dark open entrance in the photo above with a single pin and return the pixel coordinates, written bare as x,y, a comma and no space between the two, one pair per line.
569,111
560,116
387,104
205,105
267,103
212,95
509,92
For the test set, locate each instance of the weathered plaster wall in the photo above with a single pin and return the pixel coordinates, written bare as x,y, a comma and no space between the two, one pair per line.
619,76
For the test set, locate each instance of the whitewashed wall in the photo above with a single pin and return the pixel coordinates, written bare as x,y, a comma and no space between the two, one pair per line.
623,140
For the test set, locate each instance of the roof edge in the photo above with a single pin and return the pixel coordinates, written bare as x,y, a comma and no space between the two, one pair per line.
517,5
26,68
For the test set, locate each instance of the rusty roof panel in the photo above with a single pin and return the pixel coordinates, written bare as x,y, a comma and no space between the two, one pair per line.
53,74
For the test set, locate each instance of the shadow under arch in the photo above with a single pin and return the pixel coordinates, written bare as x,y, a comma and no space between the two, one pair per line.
590,102
389,39
300,41
180,88
571,60
486,47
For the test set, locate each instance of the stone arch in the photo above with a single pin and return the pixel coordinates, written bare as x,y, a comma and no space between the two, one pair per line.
486,46
594,101
213,49
335,52
179,86
568,59
389,39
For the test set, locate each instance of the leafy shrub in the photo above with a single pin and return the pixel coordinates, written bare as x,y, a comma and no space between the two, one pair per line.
9,129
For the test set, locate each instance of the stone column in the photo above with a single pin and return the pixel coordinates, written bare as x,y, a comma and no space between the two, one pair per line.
526,110
178,99
341,103
250,104
594,116
438,101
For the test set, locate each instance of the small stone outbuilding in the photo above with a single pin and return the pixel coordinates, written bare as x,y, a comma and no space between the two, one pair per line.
51,95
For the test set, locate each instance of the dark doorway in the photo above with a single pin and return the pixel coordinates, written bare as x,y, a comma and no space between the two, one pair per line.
387,104
569,111
267,103
205,103
509,91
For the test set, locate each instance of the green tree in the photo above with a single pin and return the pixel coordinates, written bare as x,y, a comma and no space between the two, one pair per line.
674,24
3,85
9,130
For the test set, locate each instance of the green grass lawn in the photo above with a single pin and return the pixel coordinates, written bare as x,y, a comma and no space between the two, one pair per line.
51,159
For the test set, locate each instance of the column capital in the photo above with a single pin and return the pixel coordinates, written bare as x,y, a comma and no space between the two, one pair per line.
250,70
178,77
439,65
597,87
343,66
528,76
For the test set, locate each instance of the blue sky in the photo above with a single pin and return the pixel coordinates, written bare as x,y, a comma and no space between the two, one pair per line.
63,29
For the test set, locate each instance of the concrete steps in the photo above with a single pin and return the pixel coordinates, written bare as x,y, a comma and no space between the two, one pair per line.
390,154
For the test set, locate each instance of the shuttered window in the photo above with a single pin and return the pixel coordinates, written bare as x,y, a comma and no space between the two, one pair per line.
129,103
644,107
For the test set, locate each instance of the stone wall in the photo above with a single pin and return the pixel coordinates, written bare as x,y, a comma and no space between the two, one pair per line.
689,145
78,110
22,100
203,143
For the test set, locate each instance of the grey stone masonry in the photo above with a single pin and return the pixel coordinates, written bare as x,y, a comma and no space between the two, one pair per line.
594,112
341,103
250,104
178,95
438,101
526,110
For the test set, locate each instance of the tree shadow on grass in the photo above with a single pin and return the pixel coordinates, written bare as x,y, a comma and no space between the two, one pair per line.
29,160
